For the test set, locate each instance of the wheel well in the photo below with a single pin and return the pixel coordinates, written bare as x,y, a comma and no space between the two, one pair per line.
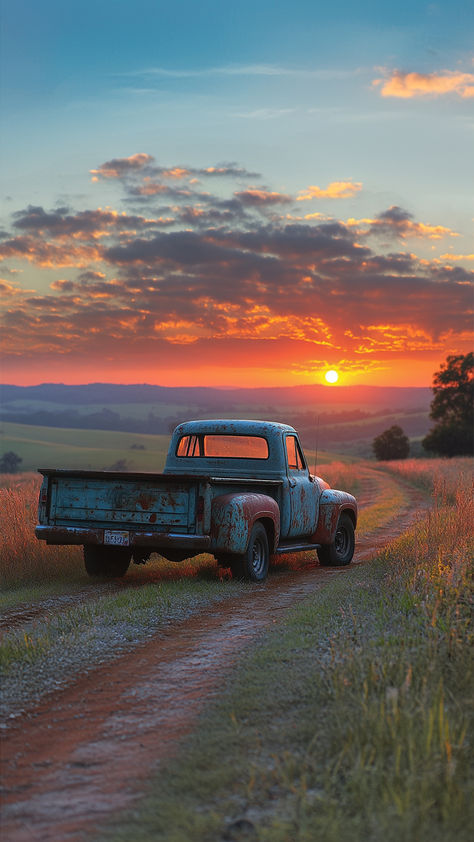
351,515
270,530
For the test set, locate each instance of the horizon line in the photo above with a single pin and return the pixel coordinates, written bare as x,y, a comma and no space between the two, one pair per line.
329,387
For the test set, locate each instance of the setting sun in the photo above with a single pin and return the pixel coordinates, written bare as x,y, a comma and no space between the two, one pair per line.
331,376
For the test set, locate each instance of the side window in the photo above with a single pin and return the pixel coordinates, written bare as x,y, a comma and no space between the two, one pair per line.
189,446
294,455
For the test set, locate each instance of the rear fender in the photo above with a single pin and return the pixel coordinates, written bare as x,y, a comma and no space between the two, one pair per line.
232,519
331,505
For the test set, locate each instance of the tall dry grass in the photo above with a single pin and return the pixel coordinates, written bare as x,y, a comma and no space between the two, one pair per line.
345,477
24,559
444,477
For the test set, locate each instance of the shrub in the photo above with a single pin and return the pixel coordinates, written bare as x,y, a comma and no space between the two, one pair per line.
10,462
391,444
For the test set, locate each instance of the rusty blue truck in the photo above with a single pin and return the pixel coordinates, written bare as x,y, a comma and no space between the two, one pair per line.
240,490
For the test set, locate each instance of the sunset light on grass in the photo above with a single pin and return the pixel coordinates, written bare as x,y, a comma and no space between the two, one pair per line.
233,199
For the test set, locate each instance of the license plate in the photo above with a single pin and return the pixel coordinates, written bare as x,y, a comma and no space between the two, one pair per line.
120,539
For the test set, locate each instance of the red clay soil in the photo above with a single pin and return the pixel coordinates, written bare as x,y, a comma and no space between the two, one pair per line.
88,751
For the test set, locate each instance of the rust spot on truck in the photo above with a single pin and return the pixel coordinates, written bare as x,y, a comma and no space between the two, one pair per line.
145,501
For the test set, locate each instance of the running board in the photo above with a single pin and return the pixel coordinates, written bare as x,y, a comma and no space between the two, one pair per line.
296,548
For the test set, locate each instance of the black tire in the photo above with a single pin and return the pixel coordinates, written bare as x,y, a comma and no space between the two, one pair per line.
341,551
109,562
252,566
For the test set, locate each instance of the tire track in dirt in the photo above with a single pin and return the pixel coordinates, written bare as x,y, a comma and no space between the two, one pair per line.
89,750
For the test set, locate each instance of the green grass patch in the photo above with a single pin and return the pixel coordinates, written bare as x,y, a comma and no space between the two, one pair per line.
351,720
28,595
57,447
390,498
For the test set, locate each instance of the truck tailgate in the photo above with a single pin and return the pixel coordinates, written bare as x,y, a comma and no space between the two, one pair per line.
101,499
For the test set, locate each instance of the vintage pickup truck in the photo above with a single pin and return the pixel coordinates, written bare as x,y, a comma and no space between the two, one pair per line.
240,490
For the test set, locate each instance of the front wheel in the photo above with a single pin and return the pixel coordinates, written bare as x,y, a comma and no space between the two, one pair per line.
341,550
253,564
109,562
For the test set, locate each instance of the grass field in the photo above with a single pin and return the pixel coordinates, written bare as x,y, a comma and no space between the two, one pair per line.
443,476
55,447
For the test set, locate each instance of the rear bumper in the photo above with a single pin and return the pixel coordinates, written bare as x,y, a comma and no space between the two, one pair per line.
158,540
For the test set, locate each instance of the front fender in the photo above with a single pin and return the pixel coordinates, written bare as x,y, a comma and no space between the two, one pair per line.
232,519
331,504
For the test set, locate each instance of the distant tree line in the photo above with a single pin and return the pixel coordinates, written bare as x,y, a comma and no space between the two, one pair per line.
106,419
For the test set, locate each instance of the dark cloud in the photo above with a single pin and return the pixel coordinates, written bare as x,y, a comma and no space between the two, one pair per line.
260,197
86,223
395,216
399,223
143,165
121,167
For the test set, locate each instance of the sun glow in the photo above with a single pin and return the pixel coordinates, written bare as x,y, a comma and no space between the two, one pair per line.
331,376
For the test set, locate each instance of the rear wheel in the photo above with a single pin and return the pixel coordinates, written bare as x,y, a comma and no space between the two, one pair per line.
340,552
253,564
106,561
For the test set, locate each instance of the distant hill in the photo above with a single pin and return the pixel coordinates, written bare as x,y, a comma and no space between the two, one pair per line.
317,396
346,417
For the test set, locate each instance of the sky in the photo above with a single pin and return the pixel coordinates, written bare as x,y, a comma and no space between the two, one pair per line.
235,194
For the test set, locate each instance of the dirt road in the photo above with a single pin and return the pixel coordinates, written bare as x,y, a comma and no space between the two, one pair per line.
87,751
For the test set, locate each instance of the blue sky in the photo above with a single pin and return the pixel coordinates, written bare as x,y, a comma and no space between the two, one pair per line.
296,95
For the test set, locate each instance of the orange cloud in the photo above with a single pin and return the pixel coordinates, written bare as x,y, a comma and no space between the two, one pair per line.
175,172
48,254
334,190
408,85
449,256
7,289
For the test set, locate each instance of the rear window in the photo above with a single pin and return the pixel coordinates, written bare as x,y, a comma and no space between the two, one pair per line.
223,447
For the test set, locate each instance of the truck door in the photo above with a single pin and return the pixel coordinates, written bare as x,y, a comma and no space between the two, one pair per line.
303,494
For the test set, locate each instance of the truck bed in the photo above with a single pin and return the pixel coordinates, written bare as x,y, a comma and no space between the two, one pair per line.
165,502
104,498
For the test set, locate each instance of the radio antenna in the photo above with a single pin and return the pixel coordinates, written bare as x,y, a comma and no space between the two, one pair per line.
316,448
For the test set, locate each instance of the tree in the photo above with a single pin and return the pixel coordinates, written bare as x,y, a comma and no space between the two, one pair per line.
391,444
9,463
453,408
